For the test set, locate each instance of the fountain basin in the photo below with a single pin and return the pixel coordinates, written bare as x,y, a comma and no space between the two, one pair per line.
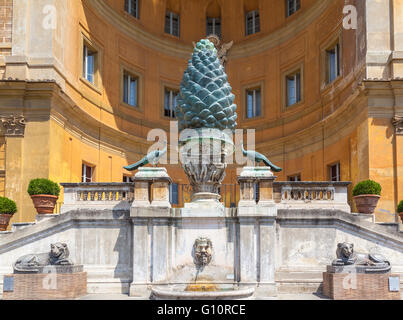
178,292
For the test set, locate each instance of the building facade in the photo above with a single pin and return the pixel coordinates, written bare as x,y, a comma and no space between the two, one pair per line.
82,83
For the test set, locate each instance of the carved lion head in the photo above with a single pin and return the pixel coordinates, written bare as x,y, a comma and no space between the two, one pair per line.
345,250
59,251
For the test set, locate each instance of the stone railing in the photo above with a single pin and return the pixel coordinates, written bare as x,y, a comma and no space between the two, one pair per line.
285,195
311,194
97,196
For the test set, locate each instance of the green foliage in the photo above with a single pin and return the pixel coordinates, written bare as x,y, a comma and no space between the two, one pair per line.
367,187
400,207
43,186
7,206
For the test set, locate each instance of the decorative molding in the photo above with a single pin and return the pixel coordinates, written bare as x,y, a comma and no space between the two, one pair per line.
13,126
182,50
397,122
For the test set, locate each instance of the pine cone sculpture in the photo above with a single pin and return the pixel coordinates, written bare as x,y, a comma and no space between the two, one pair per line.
205,99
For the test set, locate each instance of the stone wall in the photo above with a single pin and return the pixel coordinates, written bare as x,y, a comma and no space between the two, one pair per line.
6,23
298,244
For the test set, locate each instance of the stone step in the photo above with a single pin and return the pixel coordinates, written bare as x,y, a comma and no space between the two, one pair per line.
21,225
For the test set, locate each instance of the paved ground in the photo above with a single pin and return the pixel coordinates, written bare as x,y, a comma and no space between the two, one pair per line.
126,297
306,296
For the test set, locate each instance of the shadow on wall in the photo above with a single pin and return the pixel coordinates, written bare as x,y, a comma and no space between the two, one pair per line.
124,248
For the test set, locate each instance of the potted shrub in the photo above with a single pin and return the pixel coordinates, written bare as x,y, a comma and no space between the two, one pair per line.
7,210
44,194
400,210
366,195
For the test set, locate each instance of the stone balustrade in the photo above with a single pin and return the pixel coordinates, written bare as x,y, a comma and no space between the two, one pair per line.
311,195
284,195
97,195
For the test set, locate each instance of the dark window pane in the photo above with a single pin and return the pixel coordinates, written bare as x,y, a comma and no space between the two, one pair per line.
172,23
88,173
170,103
298,87
252,22
133,92
293,6
89,63
250,104
167,23
291,99
257,23
335,172
173,194
126,88
293,88
213,26
84,61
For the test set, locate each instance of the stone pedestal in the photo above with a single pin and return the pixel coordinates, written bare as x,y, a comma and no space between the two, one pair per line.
264,178
359,286
257,231
141,194
151,188
160,194
150,213
52,283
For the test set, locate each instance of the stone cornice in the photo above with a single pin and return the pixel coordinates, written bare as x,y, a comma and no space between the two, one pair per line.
167,46
179,49
252,47
56,105
384,97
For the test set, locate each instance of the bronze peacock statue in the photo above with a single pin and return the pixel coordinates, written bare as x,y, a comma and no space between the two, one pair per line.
153,158
258,157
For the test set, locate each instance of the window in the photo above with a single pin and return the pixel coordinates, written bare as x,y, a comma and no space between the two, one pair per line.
293,6
296,177
132,7
214,26
293,88
126,178
130,89
253,103
252,22
89,63
334,172
87,173
173,193
170,102
333,63
172,23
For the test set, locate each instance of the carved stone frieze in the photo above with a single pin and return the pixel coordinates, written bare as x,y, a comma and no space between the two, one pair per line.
13,125
398,124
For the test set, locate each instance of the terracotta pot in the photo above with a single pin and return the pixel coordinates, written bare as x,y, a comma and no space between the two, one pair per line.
366,203
401,216
44,203
4,221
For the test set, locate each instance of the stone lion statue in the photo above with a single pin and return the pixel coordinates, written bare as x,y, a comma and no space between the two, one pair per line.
58,255
346,256
203,251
